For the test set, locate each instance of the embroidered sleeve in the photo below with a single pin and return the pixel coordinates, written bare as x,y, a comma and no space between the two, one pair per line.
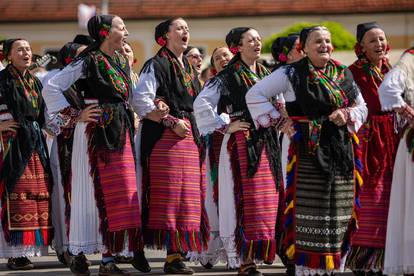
205,109
66,118
143,94
55,86
391,90
356,115
258,99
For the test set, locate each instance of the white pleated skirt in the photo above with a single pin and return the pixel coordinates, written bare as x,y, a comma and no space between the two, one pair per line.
60,240
399,247
84,234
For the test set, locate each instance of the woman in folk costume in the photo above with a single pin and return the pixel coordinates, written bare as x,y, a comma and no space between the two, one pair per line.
25,178
173,210
104,213
378,146
326,108
212,143
60,151
285,50
249,171
397,94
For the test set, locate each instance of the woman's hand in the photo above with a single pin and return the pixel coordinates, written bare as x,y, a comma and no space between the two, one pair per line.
182,128
163,108
237,126
9,125
287,127
90,114
338,117
407,113
158,113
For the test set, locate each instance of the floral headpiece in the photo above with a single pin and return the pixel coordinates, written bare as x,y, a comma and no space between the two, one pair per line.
161,41
234,50
104,31
283,55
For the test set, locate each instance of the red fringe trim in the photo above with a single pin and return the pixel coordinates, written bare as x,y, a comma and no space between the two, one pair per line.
176,241
317,260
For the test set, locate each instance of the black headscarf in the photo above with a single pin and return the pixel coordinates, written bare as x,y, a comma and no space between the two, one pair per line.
365,27
83,39
98,28
283,45
68,53
7,45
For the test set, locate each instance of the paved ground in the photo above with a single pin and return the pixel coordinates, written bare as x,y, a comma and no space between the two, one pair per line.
48,266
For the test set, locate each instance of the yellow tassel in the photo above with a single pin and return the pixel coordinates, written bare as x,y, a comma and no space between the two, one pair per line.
329,263
359,178
290,165
267,249
290,252
356,139
290,206
251,249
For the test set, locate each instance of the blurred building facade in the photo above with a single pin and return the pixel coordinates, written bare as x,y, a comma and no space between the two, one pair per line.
48,24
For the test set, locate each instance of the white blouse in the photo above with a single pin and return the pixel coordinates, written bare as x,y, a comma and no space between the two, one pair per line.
143,94
391,89
278,83
54,87
205,109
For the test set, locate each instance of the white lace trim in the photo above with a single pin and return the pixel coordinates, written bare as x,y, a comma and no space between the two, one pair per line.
22,251
306,271
208,122
206,257
233,259
87,249
265,120
6,116
392,106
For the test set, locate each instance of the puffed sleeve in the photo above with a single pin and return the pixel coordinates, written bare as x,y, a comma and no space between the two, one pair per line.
358,114
143,94
205,108
391,89
53,90
259,97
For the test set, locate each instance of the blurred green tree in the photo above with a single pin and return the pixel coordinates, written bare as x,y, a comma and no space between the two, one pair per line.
341,38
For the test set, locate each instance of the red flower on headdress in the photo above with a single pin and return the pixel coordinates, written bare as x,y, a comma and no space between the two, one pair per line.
161,41
282,57
103,33
234,50
68,60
